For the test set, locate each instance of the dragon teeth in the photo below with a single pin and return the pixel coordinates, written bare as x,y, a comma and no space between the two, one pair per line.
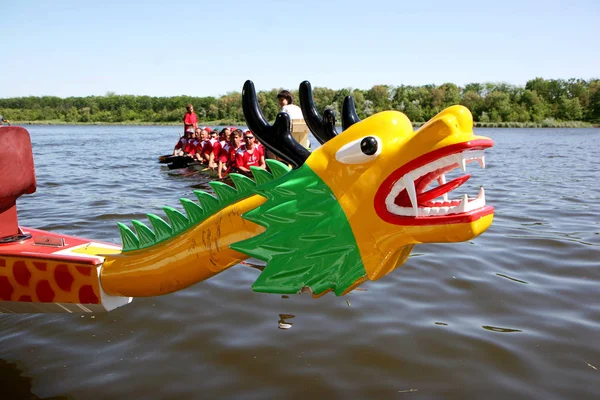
462,207
408,182
442,181
481,161
463,164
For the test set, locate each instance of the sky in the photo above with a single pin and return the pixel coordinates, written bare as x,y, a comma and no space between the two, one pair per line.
210,48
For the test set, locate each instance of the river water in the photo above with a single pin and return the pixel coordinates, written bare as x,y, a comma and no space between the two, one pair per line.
514,313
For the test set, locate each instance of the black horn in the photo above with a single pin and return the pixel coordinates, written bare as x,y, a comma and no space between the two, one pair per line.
276,138
322,128
349,115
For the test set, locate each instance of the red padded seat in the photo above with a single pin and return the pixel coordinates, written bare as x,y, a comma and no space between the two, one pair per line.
17,175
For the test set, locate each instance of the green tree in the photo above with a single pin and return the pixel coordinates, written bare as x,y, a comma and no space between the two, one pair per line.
474,102
359,101
499,106
414,112
476,88
379,95
323,97
569,109
593,111
72,115
539,100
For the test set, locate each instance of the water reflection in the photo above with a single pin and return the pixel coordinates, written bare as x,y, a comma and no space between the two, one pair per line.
512,279
282,323
498,329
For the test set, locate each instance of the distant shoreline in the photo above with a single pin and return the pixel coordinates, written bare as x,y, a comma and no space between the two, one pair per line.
546,124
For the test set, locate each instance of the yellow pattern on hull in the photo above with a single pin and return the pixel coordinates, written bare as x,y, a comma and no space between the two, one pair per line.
36,280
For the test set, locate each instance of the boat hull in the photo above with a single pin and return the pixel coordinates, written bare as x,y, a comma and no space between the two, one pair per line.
50,272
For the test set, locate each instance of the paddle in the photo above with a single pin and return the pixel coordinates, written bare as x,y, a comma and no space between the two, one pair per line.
166,158
197,171
182,162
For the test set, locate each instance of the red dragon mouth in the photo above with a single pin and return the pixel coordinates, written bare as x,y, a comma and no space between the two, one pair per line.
403,198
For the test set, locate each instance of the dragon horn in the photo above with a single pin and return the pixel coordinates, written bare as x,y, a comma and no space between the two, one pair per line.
349,115
288,148
277,138
322,128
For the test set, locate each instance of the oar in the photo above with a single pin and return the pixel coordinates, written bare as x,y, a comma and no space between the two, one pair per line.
181,162
197,171
166,158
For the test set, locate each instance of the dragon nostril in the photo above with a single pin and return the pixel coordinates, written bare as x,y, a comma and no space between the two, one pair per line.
369,145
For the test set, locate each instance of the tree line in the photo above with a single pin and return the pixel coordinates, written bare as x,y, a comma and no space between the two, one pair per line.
538,101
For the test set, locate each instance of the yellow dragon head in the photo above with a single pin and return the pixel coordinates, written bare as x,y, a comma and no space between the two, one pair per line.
390,180
391,183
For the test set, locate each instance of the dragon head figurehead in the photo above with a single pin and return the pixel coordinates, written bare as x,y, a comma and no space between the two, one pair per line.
354,208
391,182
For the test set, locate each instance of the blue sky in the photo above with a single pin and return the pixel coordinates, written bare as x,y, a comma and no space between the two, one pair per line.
209,48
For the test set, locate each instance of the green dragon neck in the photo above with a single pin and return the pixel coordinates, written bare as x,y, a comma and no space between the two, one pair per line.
308,242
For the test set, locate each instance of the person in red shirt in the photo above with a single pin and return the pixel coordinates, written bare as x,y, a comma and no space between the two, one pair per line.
192,148
227,160
180,147
204,147
215,150
257,142
190,121
251,156
224,136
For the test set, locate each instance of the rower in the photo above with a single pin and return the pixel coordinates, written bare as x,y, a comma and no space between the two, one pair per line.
251,156
180,147
215,151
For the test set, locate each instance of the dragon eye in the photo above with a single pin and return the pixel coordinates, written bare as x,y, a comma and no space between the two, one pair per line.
359,151
369,145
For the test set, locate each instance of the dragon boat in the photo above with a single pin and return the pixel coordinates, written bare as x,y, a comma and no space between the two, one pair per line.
350,211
